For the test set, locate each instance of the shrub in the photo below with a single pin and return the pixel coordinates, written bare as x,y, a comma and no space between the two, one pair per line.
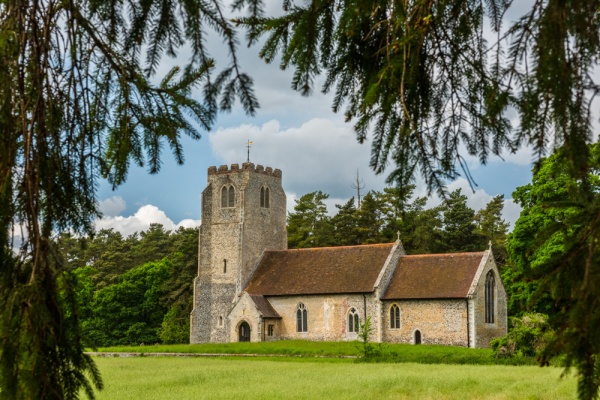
527,337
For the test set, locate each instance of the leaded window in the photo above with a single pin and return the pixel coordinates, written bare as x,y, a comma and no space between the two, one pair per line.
394,317
490,287
353,321
301,318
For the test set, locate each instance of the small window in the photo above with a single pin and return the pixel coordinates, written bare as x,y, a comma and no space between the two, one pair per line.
231,196
227,196
264,197
270,330
394,317
301,318
220,322
224,266
353,321
490,287
224,197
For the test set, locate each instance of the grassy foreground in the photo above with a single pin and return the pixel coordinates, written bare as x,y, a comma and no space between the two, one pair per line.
167,378
389,352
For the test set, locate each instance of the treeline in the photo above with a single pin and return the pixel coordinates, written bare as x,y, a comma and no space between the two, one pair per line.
449,227
139,289
136,289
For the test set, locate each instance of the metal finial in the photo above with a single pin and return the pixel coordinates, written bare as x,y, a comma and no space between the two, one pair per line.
248,145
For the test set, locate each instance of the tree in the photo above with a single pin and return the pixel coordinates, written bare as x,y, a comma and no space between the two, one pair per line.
555,255
345,225
459,224
425,82
420,77
309,225
77,103
492,228
129,312
422,229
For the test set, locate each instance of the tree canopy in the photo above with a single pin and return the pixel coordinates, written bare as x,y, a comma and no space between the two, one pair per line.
554,249
425,82
77,103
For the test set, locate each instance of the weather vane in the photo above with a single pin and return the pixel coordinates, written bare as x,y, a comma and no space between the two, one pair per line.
248,145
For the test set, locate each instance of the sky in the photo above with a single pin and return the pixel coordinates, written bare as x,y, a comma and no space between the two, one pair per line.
302,136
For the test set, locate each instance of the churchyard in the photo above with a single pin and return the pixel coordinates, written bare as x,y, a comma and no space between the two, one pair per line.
313,370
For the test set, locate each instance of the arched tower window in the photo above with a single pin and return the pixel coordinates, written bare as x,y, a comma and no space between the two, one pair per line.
394,317
264,197
224,197
353,321
301,318
231,196
227,196
490,287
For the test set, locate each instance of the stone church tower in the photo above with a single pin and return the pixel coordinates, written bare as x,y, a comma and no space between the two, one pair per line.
243,214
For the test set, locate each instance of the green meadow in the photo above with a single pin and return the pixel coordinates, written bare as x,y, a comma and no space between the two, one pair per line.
317,370
304,348
177,378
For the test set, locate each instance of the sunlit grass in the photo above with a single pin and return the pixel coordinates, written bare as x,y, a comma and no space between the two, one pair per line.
259,378
389,352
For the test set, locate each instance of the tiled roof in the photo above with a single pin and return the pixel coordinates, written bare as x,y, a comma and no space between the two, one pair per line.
265,308
325,270
433,276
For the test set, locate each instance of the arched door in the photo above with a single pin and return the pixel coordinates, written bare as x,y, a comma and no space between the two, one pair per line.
244,332
417,337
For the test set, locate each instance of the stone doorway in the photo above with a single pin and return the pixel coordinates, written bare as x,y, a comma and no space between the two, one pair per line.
417,337
244,332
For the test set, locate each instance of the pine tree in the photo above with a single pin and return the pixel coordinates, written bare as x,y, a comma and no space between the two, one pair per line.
345,224
459,232
492,228
309,225
77,103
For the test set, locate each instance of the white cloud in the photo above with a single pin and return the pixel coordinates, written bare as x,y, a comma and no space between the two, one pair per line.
323,155
318,155
141,220
112,206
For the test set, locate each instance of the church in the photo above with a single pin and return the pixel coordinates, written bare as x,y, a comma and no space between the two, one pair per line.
250,287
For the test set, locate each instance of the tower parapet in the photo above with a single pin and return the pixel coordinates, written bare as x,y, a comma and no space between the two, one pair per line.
260,169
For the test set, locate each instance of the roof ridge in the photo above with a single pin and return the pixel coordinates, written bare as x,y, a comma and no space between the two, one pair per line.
446,254
334,247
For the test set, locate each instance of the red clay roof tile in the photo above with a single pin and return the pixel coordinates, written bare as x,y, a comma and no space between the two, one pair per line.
325,270
433,276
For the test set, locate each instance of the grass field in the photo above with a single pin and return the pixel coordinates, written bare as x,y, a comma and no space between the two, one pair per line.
167,378
390,352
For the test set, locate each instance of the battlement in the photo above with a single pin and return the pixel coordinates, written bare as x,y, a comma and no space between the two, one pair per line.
224,169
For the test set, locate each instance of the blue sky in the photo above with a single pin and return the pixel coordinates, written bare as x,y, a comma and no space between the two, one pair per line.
300,135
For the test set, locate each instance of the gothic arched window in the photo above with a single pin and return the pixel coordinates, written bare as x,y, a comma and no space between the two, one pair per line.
301,319
353,321
264,197
227,196
224,197
231,196
394,317
490,287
